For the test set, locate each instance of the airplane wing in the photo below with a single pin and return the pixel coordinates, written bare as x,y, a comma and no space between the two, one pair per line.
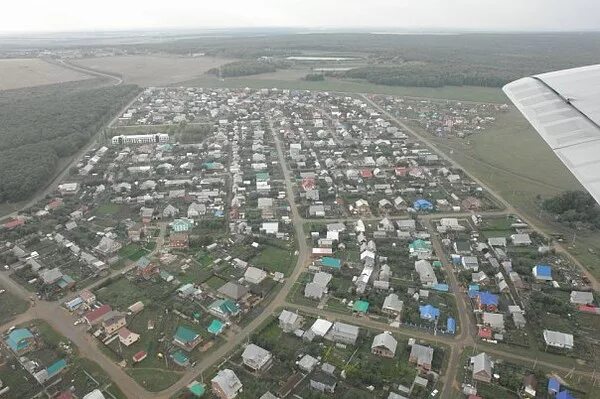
564,107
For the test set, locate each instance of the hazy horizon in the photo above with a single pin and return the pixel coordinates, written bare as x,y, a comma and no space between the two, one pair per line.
71,16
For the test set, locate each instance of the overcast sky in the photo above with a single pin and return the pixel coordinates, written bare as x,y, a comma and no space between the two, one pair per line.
70,15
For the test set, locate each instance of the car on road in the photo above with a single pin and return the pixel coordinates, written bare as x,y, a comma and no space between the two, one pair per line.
2,291
434,393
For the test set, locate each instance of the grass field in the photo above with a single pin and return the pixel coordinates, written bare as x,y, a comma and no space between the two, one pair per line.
291,80
512,159
10,306
28,72
153,70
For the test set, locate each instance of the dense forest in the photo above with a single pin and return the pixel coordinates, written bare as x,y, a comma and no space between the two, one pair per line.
41,125
474,59
574,208
247,68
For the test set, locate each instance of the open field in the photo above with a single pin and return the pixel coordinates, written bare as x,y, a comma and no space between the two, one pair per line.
291,79
28,72
511,158
10,306
153,70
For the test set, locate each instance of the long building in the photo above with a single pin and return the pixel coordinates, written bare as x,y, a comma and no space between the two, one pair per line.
140,138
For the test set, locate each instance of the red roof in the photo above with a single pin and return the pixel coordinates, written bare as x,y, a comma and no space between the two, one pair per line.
588,309
366,173
14,223
55,203
138,357
308,183
96,314
65,395
124,332
485,332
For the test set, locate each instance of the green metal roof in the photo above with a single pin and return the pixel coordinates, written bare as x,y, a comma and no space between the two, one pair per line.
197,389
361,306
216,327
185,334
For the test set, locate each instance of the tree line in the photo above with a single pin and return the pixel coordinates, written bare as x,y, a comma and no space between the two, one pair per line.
574,208
41,126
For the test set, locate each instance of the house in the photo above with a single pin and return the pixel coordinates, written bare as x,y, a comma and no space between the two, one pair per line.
344,333
139,356
558,339
186,338
180,225
195,210
179,240
323,382
384,345
406,225
494,320
96,316
226,385
530,385
521,239
145,268
307,363
470,263
392,305
422,356
254,275
20,340
289,321
421,249
257,358
314,291
542,272
426,273
233,290
270,228
127,337
333,263
216,327
107,246
582,298
170,211
482,367
422,205
429,312
113,321
224,309
487,301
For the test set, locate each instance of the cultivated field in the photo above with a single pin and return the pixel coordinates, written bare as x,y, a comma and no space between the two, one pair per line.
28,72
154,70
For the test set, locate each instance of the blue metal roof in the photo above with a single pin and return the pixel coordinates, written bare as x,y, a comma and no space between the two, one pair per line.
429,312
451,325
487,298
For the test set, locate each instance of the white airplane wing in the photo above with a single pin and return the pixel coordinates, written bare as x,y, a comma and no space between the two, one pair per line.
564,107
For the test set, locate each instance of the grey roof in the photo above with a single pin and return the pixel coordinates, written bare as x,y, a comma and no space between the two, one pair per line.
322,278
392,302
268,395
255,354
482,363
423,354
314,290
233,290
385,340
288,317
307,363
582,297
228,382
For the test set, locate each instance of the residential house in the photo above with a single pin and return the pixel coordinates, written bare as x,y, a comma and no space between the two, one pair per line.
224,309
257,358
344,333
20,340
582,298
289,321
422,356
186,338
384,345
482,367
226,385
323,382
113,321
127,337
146,268
392,305
254,275
233,290
558,339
